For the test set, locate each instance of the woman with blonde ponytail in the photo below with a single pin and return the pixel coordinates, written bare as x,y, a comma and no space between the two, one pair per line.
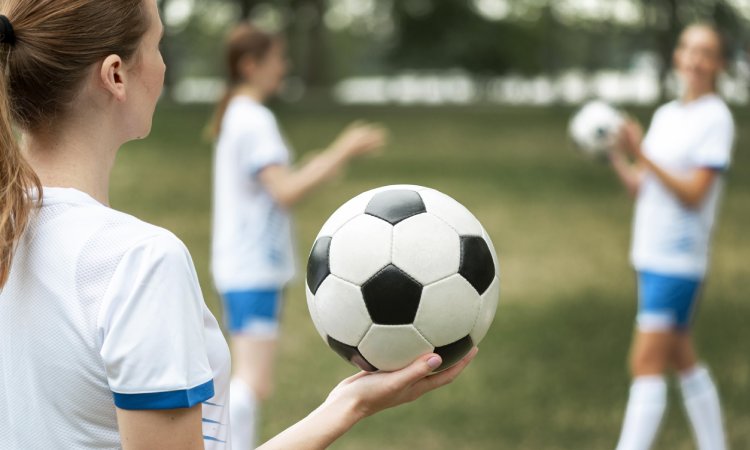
19,188
105,340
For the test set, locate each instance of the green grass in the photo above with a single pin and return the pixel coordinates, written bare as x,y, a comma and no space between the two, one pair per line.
551,373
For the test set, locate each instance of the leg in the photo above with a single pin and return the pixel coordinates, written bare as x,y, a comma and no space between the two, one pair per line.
650,357
252,383
252,318
647,402
253,363
700,397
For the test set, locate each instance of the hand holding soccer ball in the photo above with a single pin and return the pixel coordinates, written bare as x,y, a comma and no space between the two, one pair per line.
595,129
630,137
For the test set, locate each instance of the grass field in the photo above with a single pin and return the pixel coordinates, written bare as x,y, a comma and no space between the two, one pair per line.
551,373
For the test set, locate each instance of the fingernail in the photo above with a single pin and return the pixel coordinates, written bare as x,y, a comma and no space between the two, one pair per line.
434,362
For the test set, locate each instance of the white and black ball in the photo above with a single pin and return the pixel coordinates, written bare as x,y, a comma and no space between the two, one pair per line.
400,271
594,128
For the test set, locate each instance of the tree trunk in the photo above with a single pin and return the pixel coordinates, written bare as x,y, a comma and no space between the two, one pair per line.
246,7
667,39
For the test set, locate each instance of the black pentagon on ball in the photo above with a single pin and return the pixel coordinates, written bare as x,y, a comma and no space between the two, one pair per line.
392,296
351,354
477,266
395,205
318,267
453,352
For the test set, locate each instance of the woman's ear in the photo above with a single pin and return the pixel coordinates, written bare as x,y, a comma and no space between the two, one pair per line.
113,77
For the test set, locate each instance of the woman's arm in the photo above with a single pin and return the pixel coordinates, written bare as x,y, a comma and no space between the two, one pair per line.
690,188
360,396
287,186
169,429
629,174
355,398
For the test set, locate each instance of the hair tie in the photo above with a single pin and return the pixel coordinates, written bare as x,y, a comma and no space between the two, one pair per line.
7,34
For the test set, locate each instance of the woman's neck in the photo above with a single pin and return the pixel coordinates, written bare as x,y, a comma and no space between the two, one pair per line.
251,91
692,94
77,157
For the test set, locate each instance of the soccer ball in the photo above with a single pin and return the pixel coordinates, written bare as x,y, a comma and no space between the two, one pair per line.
594,128
400,271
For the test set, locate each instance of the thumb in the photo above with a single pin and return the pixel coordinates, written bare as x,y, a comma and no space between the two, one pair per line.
417,370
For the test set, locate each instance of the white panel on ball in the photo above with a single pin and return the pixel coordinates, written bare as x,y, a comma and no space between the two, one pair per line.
447,310
426,248
360,248
314,312
345,213
392,347
342,311
486,311
452,212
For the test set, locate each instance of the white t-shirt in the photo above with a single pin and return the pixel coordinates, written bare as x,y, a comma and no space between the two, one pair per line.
102,309
252,245
669,237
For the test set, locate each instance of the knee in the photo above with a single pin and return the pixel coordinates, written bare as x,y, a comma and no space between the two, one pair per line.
649,361
263,390
684,358
261,387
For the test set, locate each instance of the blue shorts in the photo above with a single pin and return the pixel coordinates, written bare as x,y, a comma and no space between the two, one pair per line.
666,302
252,312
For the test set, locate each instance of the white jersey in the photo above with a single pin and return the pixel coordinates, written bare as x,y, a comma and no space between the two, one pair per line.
102,309
252,244
669,237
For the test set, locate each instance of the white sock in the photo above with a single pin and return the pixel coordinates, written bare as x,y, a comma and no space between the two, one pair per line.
702,405
646,405
243,415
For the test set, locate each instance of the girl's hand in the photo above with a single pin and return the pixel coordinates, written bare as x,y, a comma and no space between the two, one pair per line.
374,392
360,138
630,138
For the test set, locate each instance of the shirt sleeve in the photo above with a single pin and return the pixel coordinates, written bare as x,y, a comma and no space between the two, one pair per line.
262,145
715,149
151,329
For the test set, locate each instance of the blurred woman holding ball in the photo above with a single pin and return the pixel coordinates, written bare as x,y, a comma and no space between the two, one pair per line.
676,173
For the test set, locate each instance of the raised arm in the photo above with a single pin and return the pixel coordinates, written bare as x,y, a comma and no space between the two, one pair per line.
288,185
360,396
690,188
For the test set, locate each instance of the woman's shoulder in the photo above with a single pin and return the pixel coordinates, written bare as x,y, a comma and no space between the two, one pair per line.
118,233
245,112
139,235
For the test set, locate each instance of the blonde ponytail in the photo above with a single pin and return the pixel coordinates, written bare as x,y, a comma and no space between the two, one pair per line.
16,182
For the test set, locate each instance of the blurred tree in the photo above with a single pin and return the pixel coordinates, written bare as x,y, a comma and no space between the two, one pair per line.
450,33
166,50
246,8
307,29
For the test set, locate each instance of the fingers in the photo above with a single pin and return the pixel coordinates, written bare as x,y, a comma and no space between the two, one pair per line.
417,370
440,379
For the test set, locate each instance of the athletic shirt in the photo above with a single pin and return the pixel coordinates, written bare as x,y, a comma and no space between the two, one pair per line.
669,237
102,309
252,245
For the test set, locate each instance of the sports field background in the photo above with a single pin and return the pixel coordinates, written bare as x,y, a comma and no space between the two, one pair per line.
551,373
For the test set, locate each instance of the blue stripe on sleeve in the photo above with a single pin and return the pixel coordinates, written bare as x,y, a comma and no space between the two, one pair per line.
185,398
